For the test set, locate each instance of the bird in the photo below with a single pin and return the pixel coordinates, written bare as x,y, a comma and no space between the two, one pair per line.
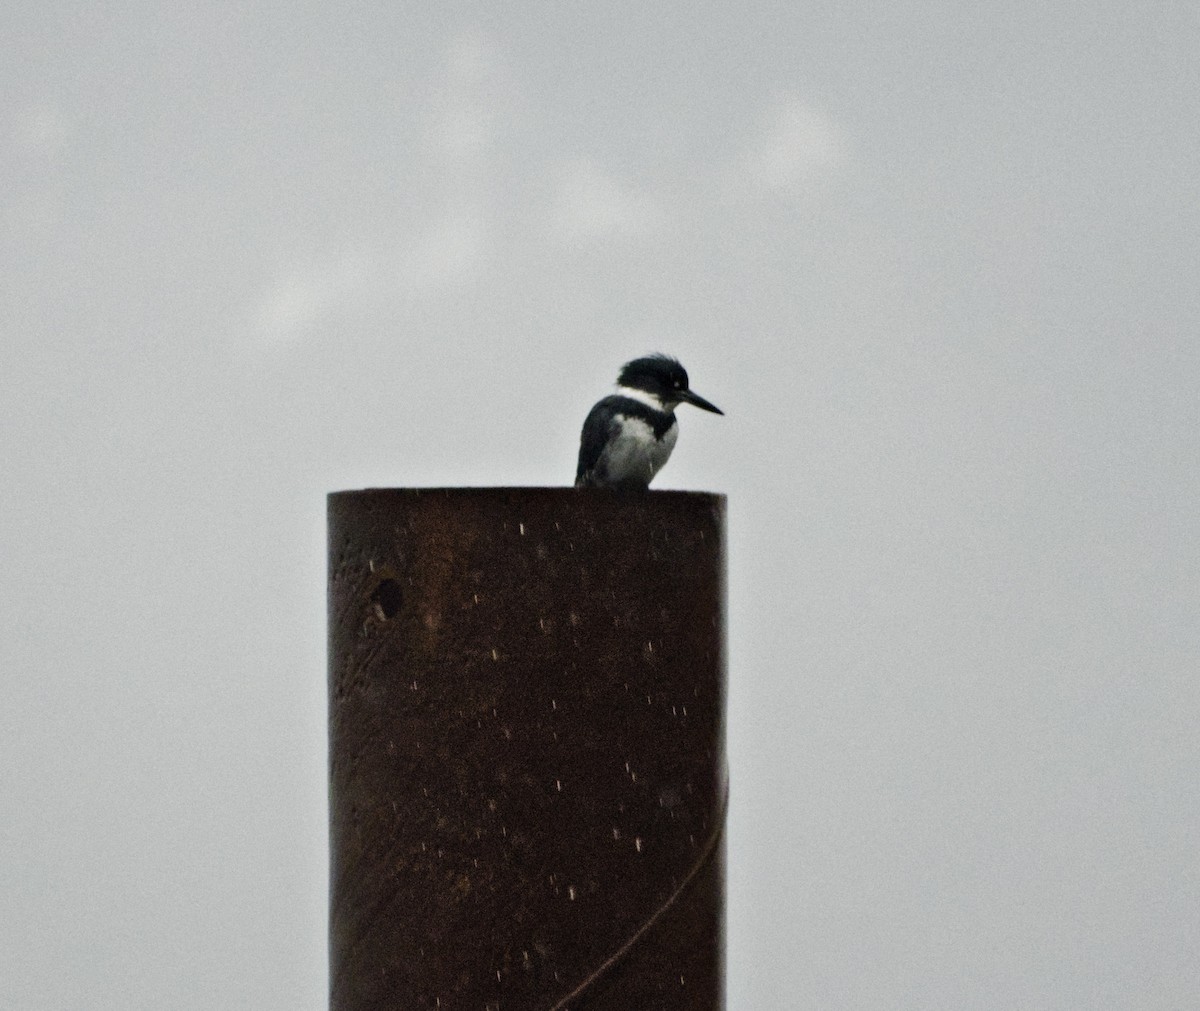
628,436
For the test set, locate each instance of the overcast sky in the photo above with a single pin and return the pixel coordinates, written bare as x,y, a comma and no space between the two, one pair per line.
939,264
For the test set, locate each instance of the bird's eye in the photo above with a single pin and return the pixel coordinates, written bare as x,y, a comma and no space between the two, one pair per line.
679,384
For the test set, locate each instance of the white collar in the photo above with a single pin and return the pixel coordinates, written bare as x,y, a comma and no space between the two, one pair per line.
642,396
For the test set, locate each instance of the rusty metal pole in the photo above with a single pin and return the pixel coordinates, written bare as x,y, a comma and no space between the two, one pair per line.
526,732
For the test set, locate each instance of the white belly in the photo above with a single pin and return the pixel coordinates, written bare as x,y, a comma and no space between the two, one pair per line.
635,455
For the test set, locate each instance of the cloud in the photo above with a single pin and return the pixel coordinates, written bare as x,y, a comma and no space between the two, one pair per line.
589,203
473,106
42,129
35,140
449,248
796,145
299,299
464,126
468,107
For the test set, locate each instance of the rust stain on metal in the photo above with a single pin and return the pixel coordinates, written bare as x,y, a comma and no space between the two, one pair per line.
526,713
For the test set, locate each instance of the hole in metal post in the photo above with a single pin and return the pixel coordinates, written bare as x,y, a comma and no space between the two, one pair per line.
387,598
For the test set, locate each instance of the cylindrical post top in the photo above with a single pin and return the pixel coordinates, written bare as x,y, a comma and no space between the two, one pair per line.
526,748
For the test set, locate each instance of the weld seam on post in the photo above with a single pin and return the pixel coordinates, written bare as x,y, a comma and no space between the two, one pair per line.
710,847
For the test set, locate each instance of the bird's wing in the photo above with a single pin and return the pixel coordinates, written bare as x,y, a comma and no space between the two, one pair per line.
597,428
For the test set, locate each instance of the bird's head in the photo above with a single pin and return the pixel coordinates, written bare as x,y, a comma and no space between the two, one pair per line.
663,379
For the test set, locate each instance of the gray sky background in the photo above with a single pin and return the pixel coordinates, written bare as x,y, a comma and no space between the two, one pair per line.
937,261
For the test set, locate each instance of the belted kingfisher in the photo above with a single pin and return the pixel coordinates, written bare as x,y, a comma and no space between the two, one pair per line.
628,436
